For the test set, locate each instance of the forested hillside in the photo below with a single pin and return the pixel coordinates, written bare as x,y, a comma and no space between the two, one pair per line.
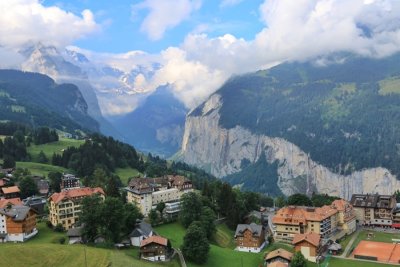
36,100
346,115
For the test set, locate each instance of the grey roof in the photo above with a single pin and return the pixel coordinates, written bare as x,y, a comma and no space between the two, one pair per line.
141,229
254,228
75,232
335,246
373,201
17,213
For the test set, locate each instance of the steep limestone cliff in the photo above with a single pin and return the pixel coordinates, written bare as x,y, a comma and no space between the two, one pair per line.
221,151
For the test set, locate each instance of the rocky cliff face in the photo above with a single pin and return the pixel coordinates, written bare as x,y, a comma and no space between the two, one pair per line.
221,151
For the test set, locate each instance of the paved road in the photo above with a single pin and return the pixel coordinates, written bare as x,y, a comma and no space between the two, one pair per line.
350,244
181,258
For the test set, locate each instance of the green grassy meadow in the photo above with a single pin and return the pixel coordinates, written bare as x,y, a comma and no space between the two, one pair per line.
44,250
55,147
39,168
126,173
218,256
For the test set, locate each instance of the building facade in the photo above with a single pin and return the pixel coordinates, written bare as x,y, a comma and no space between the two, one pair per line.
249,237
146,193
308,244
69,181
374,209
154,248
326,221
17,224
65,207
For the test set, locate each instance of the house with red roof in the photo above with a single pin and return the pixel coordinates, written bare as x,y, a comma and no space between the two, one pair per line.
65,207
308,244
155,248
11,192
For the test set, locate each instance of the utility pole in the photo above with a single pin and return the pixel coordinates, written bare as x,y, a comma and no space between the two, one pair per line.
84,249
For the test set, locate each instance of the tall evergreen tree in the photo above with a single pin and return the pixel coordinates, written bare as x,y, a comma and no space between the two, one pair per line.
195,244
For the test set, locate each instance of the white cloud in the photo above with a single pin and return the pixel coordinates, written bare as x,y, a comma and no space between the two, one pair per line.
164,15
28,21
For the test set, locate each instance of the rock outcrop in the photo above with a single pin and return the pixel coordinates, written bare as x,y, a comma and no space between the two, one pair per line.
221,151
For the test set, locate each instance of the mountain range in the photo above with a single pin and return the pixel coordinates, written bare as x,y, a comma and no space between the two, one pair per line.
36,100
324,126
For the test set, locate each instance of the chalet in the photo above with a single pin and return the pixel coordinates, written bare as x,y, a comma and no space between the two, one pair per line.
42,185
308,244
11,192
278,257
17,224
155,248
250,237
374,209
75,235
142,231
65,207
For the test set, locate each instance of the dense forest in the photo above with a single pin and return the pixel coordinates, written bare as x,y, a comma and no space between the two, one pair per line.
346,116
36,100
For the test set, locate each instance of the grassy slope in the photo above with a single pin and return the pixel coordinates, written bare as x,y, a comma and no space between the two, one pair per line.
39,168
218,256
226,256
54,147
43,250
126,173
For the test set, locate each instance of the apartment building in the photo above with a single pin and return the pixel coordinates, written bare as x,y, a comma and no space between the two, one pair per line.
146,193
69,181
374,209
65,207
17,223
325,221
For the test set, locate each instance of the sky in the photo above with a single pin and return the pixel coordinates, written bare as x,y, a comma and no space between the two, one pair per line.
198,44
152,26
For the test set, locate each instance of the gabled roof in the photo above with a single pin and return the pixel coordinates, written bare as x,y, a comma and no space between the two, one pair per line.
255,229
295,215
75,232
311,237
11,189
76,192
141,229
279,253
13,201
17,213
154,239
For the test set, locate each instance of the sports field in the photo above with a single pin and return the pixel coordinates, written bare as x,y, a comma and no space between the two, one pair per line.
378,251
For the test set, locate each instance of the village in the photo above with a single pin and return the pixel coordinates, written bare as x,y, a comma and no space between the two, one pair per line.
347,230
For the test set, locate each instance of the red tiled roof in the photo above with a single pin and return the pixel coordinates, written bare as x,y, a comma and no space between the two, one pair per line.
294,215
13,201
11,189
154,239
311,237
76,192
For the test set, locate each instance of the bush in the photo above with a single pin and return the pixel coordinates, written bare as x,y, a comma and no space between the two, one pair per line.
59,228
61,240
48,223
